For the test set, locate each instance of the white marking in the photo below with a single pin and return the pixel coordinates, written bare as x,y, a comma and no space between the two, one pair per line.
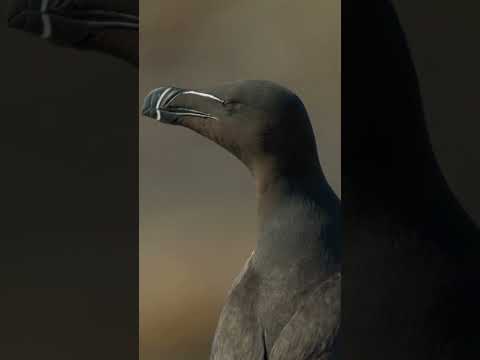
189,92
205,116
44,6
203,95
159,102
47,24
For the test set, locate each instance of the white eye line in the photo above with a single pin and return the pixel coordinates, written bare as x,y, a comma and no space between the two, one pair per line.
47,24
159,114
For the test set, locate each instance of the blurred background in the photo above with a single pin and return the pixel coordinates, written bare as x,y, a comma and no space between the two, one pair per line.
197,203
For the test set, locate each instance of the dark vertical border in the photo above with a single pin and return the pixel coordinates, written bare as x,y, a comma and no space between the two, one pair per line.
70,200
410,279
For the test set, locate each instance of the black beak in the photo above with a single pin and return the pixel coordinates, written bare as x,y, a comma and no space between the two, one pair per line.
30,16
66,22
161,104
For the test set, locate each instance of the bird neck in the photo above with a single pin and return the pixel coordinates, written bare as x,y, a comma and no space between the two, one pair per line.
294,210
274,186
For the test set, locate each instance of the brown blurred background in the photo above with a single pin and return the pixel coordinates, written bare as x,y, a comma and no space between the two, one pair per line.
197,203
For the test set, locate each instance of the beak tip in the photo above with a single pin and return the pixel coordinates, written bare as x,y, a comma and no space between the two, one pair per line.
148,113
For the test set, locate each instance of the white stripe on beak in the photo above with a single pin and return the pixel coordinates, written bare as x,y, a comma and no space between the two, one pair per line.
47,24
204,116
159,102
192,92
203,95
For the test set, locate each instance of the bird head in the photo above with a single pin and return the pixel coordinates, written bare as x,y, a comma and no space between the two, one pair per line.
259,122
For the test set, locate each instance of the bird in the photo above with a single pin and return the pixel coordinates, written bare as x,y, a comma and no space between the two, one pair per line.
106,26
285,303
410,264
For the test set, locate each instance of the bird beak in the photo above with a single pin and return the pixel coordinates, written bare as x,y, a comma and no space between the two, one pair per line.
169,104
30,16
61,22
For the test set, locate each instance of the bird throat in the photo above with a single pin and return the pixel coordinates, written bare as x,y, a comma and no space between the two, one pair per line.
293,213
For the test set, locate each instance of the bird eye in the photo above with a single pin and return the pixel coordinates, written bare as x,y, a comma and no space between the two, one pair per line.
232,105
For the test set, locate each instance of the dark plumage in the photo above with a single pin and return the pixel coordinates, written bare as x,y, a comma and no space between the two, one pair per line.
103,25
410,289
285,304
